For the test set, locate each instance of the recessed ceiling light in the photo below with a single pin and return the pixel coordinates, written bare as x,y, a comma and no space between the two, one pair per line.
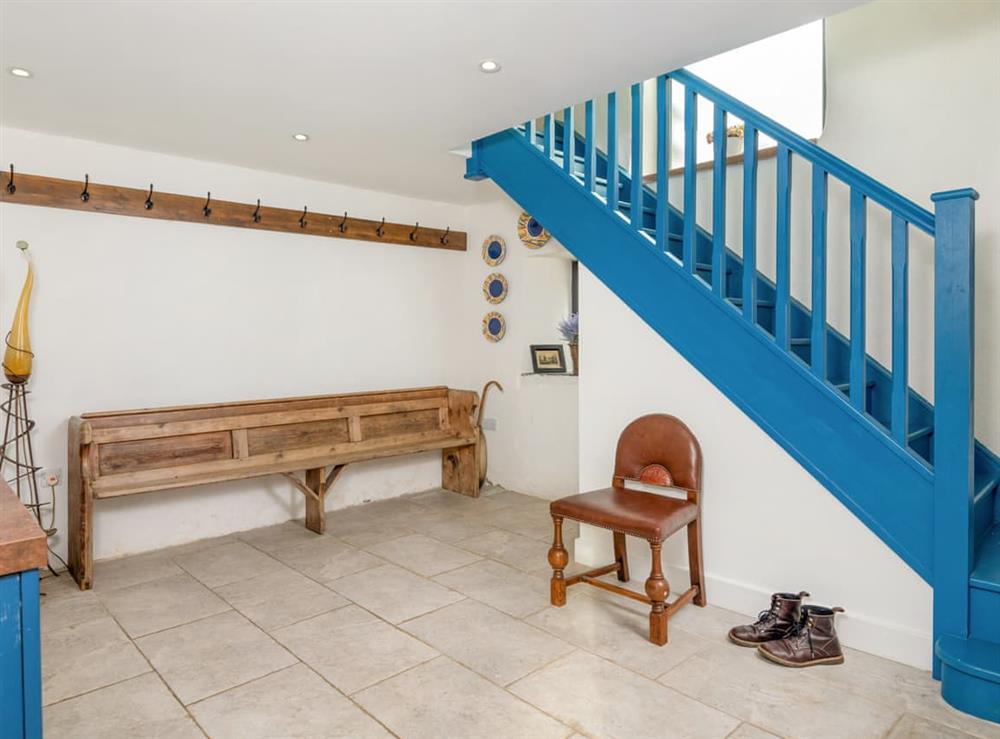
300,136
20,72
489,66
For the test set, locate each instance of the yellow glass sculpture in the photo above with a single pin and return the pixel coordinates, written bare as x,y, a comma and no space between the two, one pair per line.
17,356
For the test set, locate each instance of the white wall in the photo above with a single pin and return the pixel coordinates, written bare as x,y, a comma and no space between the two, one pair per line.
129,312
534,447
909,85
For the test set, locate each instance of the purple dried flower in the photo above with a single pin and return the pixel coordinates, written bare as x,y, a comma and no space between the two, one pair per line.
570,328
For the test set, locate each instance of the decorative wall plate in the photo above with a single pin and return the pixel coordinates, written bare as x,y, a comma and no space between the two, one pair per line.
531,232
495,288
494,250
494,326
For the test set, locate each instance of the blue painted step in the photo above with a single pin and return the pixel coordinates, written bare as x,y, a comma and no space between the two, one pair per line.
970,675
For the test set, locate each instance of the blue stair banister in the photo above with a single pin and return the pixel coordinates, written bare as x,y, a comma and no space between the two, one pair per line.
912,472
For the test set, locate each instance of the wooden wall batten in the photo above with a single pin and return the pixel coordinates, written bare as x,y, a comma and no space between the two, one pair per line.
51,192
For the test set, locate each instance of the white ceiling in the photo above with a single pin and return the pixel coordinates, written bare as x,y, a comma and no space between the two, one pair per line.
385,89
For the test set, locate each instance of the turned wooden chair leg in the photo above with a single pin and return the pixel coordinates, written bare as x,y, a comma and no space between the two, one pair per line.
695,561
621,557
558,558
657,589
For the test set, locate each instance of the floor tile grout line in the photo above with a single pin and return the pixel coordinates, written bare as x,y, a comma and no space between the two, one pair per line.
177,626
350,699
156,672
150,671
244,683
442,655
894,725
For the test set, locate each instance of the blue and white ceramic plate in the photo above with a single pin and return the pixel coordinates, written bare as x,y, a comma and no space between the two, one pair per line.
495,288
531,232
494,326
494,250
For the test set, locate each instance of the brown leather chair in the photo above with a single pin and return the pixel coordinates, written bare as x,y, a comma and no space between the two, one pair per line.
655,450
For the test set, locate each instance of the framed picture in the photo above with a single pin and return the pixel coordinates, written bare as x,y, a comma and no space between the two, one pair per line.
547,358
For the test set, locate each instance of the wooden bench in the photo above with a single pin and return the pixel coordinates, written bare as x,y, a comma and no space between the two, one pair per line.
128,452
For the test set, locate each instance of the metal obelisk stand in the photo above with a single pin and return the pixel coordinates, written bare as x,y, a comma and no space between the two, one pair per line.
17,452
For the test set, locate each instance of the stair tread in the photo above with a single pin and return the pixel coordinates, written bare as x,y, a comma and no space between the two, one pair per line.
760,302
986,572
973,656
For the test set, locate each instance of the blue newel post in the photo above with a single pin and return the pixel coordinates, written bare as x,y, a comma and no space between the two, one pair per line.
954,378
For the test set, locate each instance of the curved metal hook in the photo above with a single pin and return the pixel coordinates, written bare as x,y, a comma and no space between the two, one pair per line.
381,228
343,224
206,210
302,218
256,214
85,196
444,239
10,185
413,233
148,205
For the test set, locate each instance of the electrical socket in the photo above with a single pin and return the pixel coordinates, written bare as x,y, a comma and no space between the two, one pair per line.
45,473
490,424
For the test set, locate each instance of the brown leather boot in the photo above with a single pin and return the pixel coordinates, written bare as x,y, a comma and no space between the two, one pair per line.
774,623
813,642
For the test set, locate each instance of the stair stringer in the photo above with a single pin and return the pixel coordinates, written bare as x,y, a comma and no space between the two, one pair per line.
889,490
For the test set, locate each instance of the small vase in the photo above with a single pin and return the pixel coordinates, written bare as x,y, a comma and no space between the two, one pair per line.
574,352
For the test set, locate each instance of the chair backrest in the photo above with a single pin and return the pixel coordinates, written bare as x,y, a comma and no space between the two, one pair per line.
658,449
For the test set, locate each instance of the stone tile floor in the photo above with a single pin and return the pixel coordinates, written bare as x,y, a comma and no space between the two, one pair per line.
427,616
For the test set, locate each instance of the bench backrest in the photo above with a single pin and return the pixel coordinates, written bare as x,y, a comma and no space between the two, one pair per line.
125,452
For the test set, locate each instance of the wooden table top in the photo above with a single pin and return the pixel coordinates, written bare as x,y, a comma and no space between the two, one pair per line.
22,542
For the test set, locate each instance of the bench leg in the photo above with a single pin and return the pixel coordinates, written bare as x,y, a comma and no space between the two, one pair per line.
621,557
459,472
81,527
315,508
657,589
558,558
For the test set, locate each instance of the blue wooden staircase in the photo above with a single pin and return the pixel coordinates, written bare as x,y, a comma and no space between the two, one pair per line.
911,471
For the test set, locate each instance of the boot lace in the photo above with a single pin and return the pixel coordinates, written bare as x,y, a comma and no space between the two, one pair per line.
802,629
767,616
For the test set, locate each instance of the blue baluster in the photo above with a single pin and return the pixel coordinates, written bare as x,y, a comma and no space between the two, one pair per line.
750,223
547,136
529,131
569,140
662,159
612,189
859,219
588,147
635,194
954,383
719,204
900,327
690,175
818,332
783,272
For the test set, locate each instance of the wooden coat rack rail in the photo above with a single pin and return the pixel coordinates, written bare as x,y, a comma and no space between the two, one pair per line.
51,192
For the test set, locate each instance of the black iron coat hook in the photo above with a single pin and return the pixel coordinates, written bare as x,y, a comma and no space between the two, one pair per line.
10,185
381,229
444,239
343,224
148,205
256,214
302,218
85,195
206,210
413,233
